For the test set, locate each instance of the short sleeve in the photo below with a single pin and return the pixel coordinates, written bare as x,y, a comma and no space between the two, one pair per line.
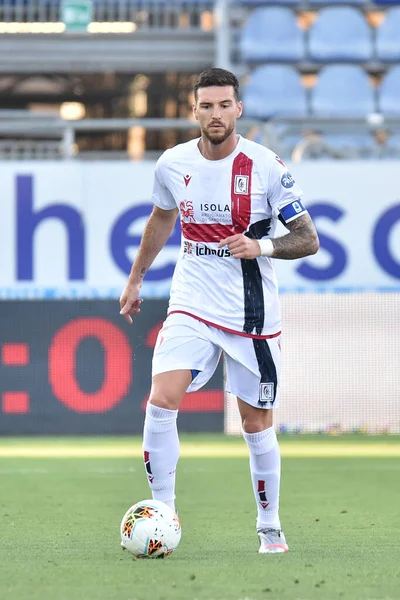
284,195
161,196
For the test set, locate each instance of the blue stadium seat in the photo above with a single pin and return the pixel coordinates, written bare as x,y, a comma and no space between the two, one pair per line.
340,33
273,91
394,144
389,93
343,91
271,34
389,149
356,145
301,3
287,144
388,37
328,2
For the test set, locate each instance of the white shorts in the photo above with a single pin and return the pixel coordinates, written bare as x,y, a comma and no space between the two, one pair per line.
252,365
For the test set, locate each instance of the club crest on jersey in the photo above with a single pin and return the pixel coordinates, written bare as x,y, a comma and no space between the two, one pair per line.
186,179
287,180
204,250
187,247
187,211
241,184
266,392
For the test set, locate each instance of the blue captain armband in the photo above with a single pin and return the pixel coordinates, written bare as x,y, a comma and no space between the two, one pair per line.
292,211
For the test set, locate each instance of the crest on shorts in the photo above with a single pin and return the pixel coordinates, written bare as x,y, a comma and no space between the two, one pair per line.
266,394
241,184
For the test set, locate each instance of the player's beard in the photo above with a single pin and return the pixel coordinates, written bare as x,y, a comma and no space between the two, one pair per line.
218,139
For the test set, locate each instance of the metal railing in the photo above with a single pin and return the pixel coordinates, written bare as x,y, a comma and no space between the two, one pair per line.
30,150
61,134
146,14
29,135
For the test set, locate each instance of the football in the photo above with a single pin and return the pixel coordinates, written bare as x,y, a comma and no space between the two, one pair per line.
150,529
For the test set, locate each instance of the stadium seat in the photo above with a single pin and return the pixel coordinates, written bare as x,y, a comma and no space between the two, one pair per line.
386,145
356,145
304,3
274,91
328,2
301,3
271,34
340,33
388,37
394,144
343,91
389,93
287,144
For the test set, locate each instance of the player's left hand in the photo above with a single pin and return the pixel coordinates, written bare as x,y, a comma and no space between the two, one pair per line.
241,246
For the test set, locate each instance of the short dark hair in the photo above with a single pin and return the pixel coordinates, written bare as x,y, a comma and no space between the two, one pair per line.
218,77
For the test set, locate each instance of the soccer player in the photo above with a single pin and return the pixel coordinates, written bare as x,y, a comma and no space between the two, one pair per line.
229,193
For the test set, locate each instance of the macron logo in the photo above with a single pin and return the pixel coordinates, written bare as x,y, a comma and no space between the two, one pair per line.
186,179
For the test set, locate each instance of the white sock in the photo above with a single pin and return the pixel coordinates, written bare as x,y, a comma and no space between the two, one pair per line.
265,468
161,452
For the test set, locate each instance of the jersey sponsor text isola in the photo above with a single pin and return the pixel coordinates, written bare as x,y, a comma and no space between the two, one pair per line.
242,193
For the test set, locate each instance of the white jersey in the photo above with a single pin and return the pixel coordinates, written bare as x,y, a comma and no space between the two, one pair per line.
242,193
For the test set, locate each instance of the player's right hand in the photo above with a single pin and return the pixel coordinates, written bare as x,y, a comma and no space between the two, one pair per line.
129,302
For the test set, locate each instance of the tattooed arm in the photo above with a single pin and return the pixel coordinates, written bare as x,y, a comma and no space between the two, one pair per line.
156,233
302,239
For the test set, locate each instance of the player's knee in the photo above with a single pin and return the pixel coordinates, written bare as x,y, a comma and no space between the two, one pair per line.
258,422
163,401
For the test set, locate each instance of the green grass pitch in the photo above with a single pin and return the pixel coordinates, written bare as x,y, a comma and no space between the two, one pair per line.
59,523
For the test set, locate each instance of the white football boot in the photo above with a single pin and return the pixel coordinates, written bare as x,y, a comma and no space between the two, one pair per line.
272,541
